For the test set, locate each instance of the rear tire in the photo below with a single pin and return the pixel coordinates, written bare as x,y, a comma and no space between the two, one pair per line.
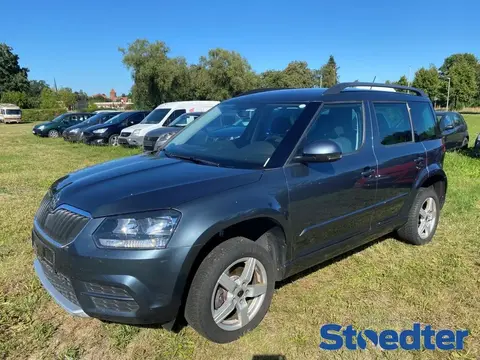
422,219
231,291
53,133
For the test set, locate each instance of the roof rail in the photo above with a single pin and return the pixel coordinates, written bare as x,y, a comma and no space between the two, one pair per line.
336,89
255,91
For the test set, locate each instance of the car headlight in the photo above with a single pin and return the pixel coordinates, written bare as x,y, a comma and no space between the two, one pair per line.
150,231
100,131
41,127
162,139
136,132
74,131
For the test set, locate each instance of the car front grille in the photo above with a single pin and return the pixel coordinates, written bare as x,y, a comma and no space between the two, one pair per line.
60,224
60,282
125,134
149,143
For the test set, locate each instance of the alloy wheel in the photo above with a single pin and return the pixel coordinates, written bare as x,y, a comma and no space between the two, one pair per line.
427,218
239,294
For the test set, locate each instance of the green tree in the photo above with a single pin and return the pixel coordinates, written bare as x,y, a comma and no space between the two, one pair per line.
460,67
329,73
273,79
298,75
48,99
16,97
428,81
12,76
157,78
229,73
403,81
67,97
463,83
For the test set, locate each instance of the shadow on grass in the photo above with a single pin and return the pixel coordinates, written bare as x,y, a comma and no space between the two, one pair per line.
334,260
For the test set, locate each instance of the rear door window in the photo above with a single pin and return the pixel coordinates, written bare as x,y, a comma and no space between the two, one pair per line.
424,124
393,121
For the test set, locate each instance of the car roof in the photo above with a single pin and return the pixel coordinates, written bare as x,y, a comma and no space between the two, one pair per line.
176,104
9,106
322,94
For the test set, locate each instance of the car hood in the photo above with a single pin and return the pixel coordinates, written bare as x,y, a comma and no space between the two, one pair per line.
144,183
99,126
163,130
144,127
79,126
44,124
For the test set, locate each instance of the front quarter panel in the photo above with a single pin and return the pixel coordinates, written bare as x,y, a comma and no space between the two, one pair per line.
205,217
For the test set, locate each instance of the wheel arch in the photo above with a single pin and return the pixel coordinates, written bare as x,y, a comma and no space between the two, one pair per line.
266,230
438,180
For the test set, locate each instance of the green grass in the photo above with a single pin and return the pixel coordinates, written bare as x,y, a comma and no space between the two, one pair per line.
386,285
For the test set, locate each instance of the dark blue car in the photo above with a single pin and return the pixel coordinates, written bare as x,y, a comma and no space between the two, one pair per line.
206,227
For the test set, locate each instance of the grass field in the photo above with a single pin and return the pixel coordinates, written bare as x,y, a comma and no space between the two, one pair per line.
386,285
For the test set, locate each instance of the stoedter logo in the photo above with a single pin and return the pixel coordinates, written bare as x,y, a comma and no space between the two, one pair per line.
335,337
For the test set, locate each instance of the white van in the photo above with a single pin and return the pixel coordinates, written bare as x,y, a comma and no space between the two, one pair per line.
161,116
10,113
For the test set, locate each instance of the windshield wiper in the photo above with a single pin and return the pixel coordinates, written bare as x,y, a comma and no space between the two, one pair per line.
190,158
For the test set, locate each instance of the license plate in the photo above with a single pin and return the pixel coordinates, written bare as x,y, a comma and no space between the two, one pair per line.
43,253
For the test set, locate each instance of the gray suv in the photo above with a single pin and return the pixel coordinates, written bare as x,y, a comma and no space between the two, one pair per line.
205,228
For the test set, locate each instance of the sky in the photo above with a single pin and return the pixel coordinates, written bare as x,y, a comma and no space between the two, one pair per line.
76,42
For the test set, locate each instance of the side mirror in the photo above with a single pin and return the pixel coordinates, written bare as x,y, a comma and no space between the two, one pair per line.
320,151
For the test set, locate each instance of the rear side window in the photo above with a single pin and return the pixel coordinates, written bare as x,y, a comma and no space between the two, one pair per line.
393,123
424,124
458,120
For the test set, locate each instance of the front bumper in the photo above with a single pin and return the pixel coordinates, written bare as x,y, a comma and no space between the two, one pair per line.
132,140
95,139
125,286
73,137
38,132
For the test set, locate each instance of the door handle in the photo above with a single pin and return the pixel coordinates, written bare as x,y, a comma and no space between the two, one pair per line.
368,172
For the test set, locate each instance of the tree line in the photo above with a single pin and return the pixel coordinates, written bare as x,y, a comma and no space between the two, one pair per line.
219,75
159,77
16,88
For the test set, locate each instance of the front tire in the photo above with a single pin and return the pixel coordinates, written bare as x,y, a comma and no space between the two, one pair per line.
113,140
53,134
231,291
422,219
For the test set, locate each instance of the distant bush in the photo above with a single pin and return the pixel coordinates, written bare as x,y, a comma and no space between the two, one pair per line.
34,115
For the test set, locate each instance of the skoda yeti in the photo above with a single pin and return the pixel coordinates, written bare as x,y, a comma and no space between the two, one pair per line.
203,229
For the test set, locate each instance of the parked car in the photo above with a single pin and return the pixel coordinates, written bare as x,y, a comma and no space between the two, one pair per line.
108,132
155,139
163,115
207,227
454,129
10,113
75,133
476,146
55,128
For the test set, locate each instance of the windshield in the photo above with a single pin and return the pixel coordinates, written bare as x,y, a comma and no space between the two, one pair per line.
252,148
184,120
13,112
117,119
155,116
96,119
